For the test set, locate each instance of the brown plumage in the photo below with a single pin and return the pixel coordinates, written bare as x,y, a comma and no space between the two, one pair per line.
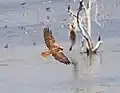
72,36
54,49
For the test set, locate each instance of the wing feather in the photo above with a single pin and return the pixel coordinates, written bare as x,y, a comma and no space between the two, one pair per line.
59,55
49,39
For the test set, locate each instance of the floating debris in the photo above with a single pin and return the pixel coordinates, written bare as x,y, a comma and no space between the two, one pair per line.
22,28
48,18
26,32
25,14
48,9
5,26
6,19
24,3
62,25
34,43
65,19
6,46
49,1
3,65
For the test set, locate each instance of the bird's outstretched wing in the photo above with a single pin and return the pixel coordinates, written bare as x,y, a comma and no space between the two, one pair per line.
59,55
48,38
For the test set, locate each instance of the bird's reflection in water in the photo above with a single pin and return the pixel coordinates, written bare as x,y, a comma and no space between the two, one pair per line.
85,71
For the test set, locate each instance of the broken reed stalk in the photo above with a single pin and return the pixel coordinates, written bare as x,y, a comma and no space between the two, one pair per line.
87,36
86,32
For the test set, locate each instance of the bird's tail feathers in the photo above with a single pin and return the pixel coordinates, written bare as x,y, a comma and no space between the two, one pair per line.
45,54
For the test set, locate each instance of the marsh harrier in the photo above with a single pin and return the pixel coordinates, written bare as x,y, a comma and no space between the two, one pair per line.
53,48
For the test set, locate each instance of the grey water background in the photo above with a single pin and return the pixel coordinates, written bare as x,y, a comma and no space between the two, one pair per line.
23,70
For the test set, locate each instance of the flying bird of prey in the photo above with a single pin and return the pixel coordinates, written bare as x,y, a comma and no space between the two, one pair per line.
53,48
